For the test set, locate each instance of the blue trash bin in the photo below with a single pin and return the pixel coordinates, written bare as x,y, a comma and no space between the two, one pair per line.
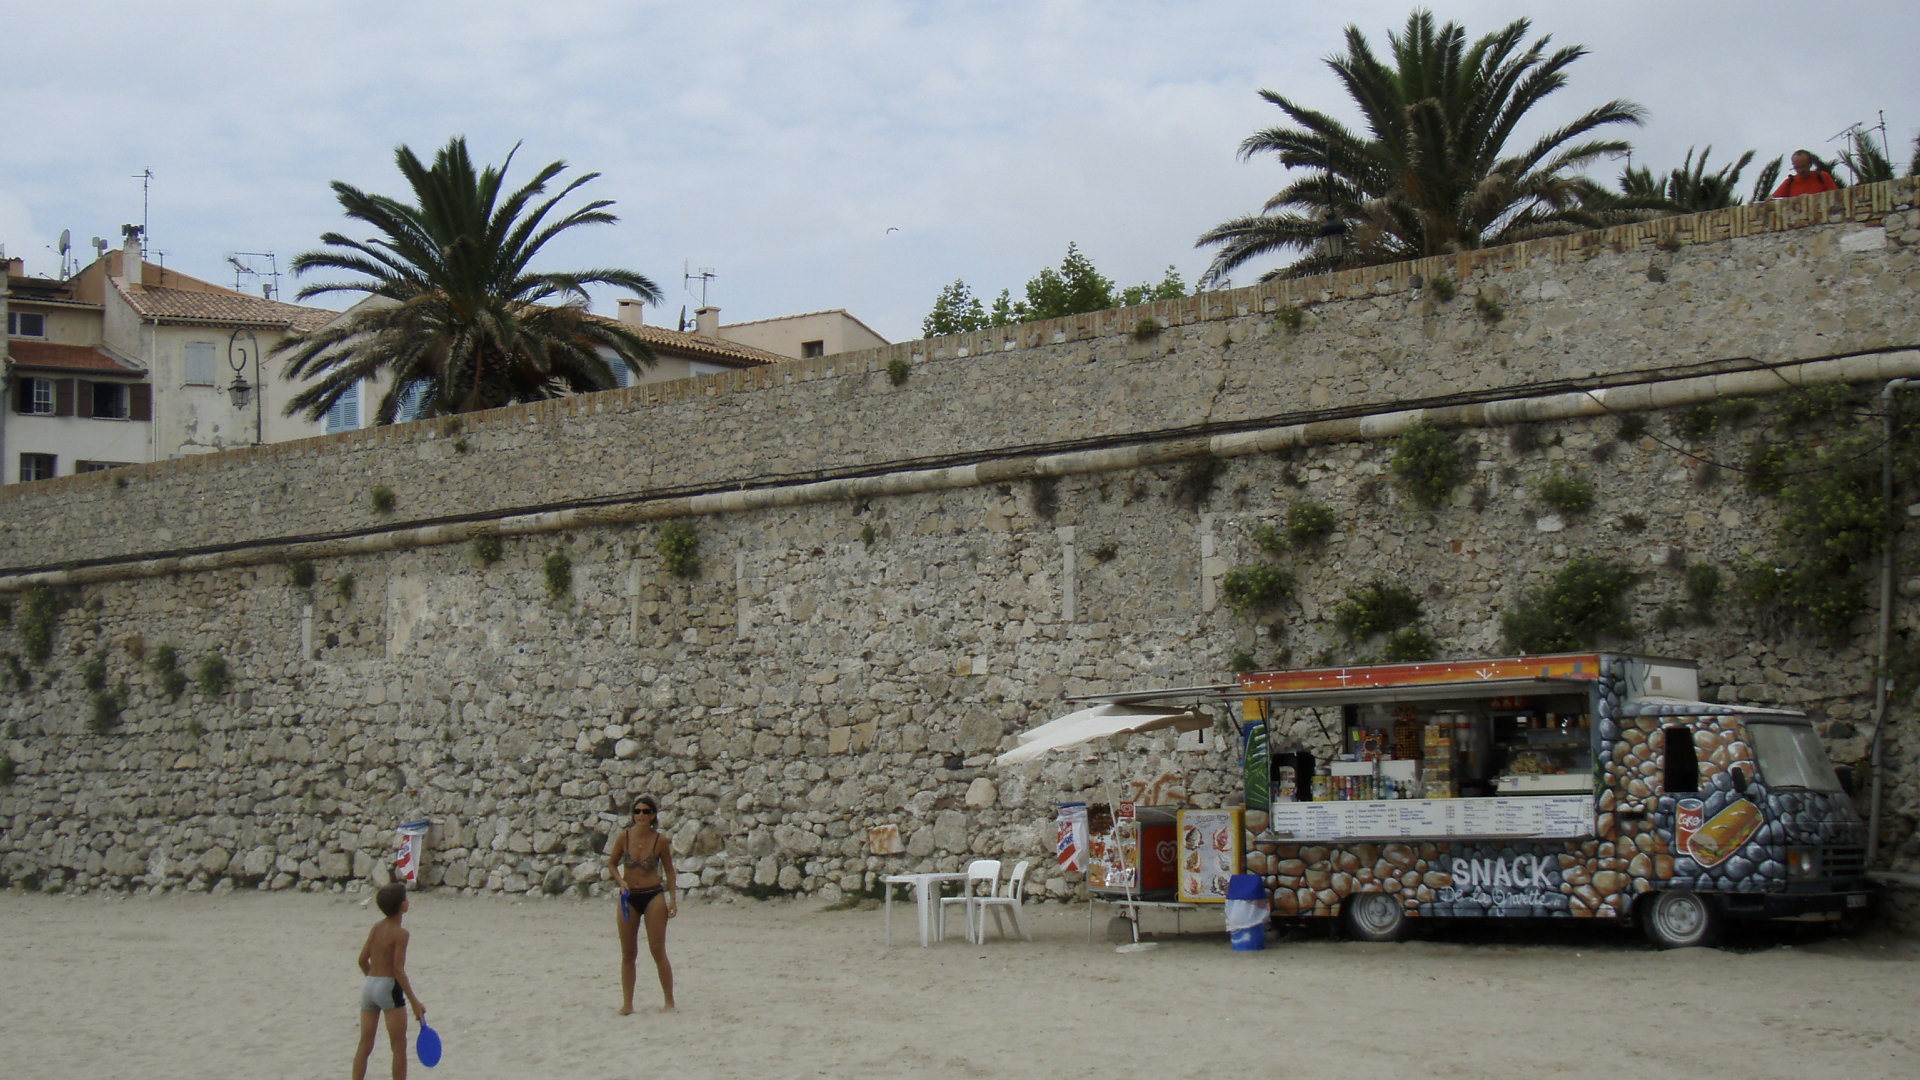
1248,908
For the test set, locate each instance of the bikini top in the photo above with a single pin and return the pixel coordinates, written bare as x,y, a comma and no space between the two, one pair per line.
651,862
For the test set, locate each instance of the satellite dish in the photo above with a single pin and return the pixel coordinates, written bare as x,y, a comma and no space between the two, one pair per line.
66,241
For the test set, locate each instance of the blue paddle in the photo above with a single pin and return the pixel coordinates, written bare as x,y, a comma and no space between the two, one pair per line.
426,1046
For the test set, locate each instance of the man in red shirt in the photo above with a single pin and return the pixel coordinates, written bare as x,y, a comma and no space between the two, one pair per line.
1805,179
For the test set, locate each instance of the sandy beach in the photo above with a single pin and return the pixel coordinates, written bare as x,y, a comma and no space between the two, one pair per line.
265,985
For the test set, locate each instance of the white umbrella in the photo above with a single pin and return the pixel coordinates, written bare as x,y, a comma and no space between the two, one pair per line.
1099,722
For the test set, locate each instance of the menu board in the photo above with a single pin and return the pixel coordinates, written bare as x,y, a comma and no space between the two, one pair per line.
1541,816
1209,853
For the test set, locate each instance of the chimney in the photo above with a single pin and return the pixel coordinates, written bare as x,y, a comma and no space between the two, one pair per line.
131,261
632,310
706,321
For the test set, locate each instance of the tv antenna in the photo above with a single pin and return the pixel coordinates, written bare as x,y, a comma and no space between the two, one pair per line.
145,176
704,274
66,251
269,288
1857,132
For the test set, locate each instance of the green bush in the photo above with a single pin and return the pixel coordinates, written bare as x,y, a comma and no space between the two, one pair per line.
1309,523
1256,588
897,370
1242,663
1270,540
106,710
213,676
485,547
1583,606
1441,287
38,618
93,675
1292,318
1567,493
382,498
1489,308
679,548
1376,608
6,768
1410,644
300,574
1427,464
1147,327
558,570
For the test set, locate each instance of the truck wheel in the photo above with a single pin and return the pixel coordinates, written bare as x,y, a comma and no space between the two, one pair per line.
1677,920
1374,917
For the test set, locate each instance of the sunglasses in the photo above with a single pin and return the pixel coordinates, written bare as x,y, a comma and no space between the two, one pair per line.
644,810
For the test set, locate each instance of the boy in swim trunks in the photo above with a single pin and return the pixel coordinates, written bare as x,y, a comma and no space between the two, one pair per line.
386,992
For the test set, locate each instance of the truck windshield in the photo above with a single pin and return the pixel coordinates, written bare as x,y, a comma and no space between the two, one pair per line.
1790,756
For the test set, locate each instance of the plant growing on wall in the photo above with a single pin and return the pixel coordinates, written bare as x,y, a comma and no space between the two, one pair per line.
343,587
1292,318
1584,605
166,664
213,676
897,370
1249,589
1147,327
485,547
558,570
1569,494
1409,644
679,548
37,620
1489,308
382,499
1441,286
300,574
1378,607
93,675
107,708
22,681
1427,464
1309,523
7,768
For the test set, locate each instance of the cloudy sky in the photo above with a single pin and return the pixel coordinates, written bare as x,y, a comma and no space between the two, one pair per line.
857,154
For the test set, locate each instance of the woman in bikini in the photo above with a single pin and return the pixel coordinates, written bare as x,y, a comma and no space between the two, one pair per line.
642,865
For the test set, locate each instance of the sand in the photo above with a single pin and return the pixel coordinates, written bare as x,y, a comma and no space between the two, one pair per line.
265,985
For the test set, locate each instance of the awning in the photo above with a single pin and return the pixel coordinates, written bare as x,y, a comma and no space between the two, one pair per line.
1099,722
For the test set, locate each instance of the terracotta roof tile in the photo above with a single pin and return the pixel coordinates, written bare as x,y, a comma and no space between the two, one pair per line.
40,354
158,301
681,343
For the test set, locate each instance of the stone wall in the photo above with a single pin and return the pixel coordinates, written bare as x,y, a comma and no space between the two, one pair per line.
897,578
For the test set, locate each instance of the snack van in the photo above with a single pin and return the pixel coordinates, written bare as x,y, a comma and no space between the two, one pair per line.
1580,785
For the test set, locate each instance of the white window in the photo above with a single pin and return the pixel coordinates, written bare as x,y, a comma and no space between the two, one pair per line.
36,397
345,414
200,370
37,466
26,324
810,349
109,400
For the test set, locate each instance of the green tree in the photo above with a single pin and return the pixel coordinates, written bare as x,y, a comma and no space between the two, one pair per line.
955,311
1171,287
1074,289
1864,160
1688,189
459,319
1432,173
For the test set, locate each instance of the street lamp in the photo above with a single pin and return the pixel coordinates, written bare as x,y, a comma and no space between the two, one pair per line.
239,354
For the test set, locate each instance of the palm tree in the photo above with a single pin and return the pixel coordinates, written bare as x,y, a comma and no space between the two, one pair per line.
1688,189
458,320
1432,173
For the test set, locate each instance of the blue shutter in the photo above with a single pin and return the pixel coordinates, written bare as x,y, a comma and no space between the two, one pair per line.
345,414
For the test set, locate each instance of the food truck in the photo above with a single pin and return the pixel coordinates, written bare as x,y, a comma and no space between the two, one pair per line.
1579,785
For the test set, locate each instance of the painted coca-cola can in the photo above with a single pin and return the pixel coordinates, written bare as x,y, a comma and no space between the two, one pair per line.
1686,821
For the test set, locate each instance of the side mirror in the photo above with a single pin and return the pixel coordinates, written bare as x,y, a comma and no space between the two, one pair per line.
1847,778
1740,778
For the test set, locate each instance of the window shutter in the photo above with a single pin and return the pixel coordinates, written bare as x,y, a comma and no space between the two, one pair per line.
63,397
140,401
83,399
23,395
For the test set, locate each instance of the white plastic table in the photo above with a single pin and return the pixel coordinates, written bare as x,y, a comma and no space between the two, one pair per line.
925,887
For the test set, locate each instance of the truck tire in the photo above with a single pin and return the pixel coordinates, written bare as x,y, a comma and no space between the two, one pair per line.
1374,917
1679,920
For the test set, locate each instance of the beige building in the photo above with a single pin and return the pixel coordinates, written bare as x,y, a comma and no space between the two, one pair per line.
797,337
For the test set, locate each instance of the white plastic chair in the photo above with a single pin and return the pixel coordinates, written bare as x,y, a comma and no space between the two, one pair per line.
979,872
1007,901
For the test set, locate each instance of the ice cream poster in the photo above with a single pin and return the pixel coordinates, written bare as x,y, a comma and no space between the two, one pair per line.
1209,853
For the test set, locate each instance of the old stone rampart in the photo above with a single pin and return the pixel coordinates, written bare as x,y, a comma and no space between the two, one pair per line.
897,577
